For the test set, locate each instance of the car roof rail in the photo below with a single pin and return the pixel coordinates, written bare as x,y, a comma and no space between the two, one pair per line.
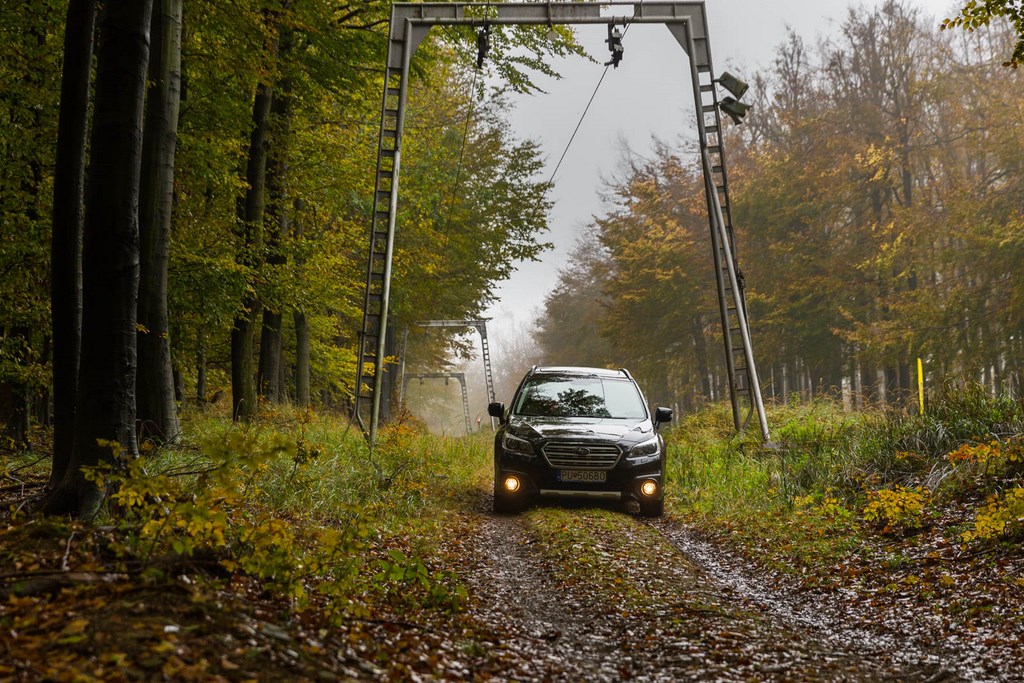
625,372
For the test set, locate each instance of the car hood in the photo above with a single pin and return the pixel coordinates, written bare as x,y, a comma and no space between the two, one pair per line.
607,429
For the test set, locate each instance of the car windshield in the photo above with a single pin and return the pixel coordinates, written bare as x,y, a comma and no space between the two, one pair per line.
563,396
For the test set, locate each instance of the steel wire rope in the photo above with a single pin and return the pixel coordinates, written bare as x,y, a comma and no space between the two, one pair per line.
584,114
458,168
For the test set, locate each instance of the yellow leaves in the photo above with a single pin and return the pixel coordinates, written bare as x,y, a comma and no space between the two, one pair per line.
163,647
994,457
876,160
1002,515
75,627
898,508
74,632
116,659
825,506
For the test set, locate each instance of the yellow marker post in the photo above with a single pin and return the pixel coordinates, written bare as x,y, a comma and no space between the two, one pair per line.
920,386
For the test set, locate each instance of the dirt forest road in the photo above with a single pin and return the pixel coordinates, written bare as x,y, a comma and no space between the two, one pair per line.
590,594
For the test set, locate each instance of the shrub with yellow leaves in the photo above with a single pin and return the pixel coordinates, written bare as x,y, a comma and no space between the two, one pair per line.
994,457
824,505
1001,516
216,508
896,509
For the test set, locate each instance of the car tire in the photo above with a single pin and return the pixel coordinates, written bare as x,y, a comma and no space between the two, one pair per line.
653,508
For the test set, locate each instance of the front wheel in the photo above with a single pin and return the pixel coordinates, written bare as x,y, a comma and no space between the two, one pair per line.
652,508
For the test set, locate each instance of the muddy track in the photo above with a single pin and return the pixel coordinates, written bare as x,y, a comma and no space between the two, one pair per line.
912,638
670,614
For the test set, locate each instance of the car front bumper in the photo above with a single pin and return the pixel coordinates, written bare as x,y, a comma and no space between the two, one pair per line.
539,479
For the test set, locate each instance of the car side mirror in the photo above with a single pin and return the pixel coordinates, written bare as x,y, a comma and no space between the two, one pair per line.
662,415
497,409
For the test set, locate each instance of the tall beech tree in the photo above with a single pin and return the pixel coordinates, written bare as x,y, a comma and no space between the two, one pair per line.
270,372
157,408
244,404
66,235
105,404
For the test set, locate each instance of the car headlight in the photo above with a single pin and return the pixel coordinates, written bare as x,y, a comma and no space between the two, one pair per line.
645,451
514,444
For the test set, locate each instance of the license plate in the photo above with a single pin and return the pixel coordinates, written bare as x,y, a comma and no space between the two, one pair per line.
583,476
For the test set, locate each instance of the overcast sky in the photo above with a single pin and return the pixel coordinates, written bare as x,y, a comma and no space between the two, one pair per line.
647,96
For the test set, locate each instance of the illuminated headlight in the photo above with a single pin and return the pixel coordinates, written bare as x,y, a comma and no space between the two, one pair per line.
645,451
514,444
511,484
649,487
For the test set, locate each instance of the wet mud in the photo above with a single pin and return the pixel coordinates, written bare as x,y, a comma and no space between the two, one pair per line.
677,611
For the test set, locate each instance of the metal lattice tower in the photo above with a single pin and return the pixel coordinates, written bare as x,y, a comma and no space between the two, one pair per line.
745,389
687,21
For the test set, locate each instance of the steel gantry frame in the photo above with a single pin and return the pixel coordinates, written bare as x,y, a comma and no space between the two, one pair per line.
460,377
687,21
480,324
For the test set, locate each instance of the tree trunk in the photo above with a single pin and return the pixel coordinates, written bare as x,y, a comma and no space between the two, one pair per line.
271,340
157,408
268,376
243,375
906,386
201,369
179,384
105,403
301,359
892,386
700,351
869,385
66,238
301,326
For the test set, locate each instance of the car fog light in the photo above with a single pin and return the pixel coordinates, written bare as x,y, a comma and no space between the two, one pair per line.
649,487
511,484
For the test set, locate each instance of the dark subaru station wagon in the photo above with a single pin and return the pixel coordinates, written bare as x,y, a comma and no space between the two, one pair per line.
581,433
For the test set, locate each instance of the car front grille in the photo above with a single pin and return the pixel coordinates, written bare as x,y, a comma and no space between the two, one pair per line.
581,454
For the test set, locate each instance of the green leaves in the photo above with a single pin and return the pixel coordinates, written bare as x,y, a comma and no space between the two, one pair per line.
975,15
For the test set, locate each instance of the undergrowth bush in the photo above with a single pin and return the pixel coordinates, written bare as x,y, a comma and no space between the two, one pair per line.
217,509
300,503
967,445
825,506
1001,516
896,509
